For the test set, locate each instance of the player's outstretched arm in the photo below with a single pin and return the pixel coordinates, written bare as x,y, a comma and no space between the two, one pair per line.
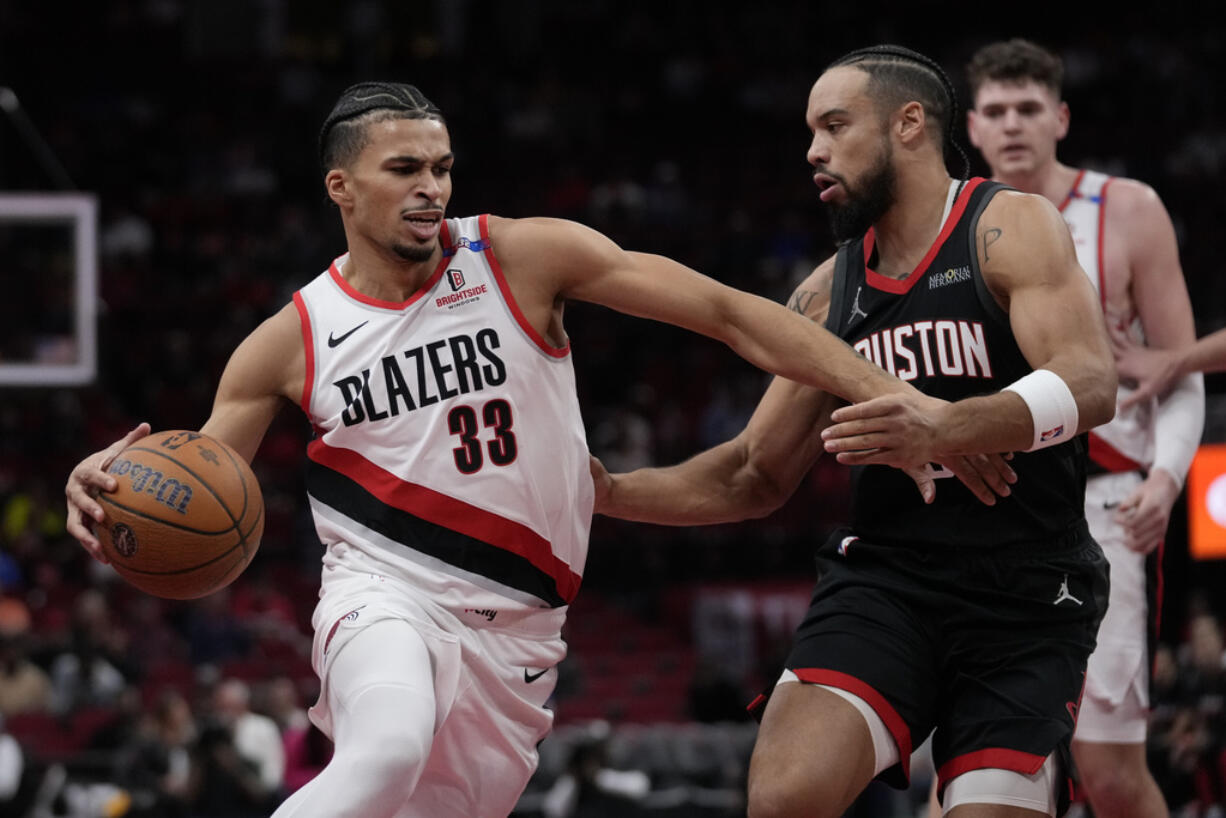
1155,371
754,473
579,263
1029,265
747,477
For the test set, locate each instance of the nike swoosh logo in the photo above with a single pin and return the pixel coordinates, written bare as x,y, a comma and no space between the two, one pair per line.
1110,506
532,677
336,341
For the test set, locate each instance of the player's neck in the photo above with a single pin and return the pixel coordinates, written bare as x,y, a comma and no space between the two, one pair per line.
907,230
1052,181
380,274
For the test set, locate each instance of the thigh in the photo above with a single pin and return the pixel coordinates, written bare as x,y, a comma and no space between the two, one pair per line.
374,646
1016,659
866,633
486,750
813,747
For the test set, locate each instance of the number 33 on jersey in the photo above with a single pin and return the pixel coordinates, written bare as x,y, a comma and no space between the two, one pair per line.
473,451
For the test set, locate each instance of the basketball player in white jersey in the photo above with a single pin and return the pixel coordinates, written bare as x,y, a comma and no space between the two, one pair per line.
448,475
1126,244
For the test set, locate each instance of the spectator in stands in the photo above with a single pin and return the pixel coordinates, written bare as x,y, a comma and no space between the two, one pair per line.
257,738
151,759
17,779
214,633
223,784
86,674
24,686
589,788
284,705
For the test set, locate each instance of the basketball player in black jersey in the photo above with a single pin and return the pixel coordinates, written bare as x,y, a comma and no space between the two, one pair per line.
972,620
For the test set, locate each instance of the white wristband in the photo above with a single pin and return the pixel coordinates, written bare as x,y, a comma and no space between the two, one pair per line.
1052,407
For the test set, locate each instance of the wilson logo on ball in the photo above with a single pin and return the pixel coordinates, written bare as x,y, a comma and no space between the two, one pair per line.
124,539
166,490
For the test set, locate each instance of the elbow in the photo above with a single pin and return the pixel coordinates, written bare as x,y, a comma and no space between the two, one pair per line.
763,499
1101,407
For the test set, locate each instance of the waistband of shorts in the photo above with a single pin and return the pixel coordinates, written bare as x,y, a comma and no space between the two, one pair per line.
538,622
1070,539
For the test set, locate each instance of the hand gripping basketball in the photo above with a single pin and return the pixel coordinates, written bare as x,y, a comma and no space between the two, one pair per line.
186,516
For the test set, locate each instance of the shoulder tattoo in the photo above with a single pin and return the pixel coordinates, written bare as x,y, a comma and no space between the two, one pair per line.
990,237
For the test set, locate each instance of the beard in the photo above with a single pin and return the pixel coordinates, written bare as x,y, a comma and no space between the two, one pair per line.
414,252
870,198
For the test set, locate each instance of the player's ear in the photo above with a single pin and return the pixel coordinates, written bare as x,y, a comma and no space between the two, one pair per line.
337,185
972,127
1062,119
910,122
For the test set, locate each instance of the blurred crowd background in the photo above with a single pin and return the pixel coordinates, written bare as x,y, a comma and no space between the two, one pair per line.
674,128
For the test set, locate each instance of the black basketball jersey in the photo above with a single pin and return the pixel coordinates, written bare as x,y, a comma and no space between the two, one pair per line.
941,330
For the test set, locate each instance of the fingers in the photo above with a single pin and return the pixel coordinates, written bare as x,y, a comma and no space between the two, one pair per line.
924,482
856,434
1144,524
872,457
80,528
996,471
972,479
988,476
1120,342
141,430
1142,394
874,407
88,480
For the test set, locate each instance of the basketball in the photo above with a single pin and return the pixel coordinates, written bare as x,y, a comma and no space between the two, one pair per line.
186,518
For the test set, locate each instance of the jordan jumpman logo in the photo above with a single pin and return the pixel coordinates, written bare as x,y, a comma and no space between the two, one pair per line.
1064,594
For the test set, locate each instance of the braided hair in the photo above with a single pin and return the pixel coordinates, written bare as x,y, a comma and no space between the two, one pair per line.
343,134
898,75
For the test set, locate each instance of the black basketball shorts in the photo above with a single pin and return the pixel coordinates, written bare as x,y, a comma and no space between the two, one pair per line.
988,647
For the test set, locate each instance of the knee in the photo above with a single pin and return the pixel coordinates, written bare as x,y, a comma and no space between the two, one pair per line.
380,766
1108,784
775,798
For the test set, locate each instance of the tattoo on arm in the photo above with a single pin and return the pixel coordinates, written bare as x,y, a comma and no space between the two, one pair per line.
990,235
800,301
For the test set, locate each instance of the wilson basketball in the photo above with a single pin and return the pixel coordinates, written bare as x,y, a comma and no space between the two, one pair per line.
186,518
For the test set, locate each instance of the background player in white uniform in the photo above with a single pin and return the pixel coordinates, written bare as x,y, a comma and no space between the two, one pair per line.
1126,244
448,473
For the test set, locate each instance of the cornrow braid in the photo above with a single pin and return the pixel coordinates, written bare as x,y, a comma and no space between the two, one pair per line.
343,134
906,72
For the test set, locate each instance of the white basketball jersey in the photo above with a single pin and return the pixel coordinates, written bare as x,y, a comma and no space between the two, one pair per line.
1127,442
449,451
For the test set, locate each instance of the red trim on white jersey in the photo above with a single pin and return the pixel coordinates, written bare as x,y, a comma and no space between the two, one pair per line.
898,286
505,288
347,288
1102,232
1110,458
308,345
1072,191
445,510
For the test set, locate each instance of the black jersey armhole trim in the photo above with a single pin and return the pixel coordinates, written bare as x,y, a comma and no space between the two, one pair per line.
838,288
986,299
